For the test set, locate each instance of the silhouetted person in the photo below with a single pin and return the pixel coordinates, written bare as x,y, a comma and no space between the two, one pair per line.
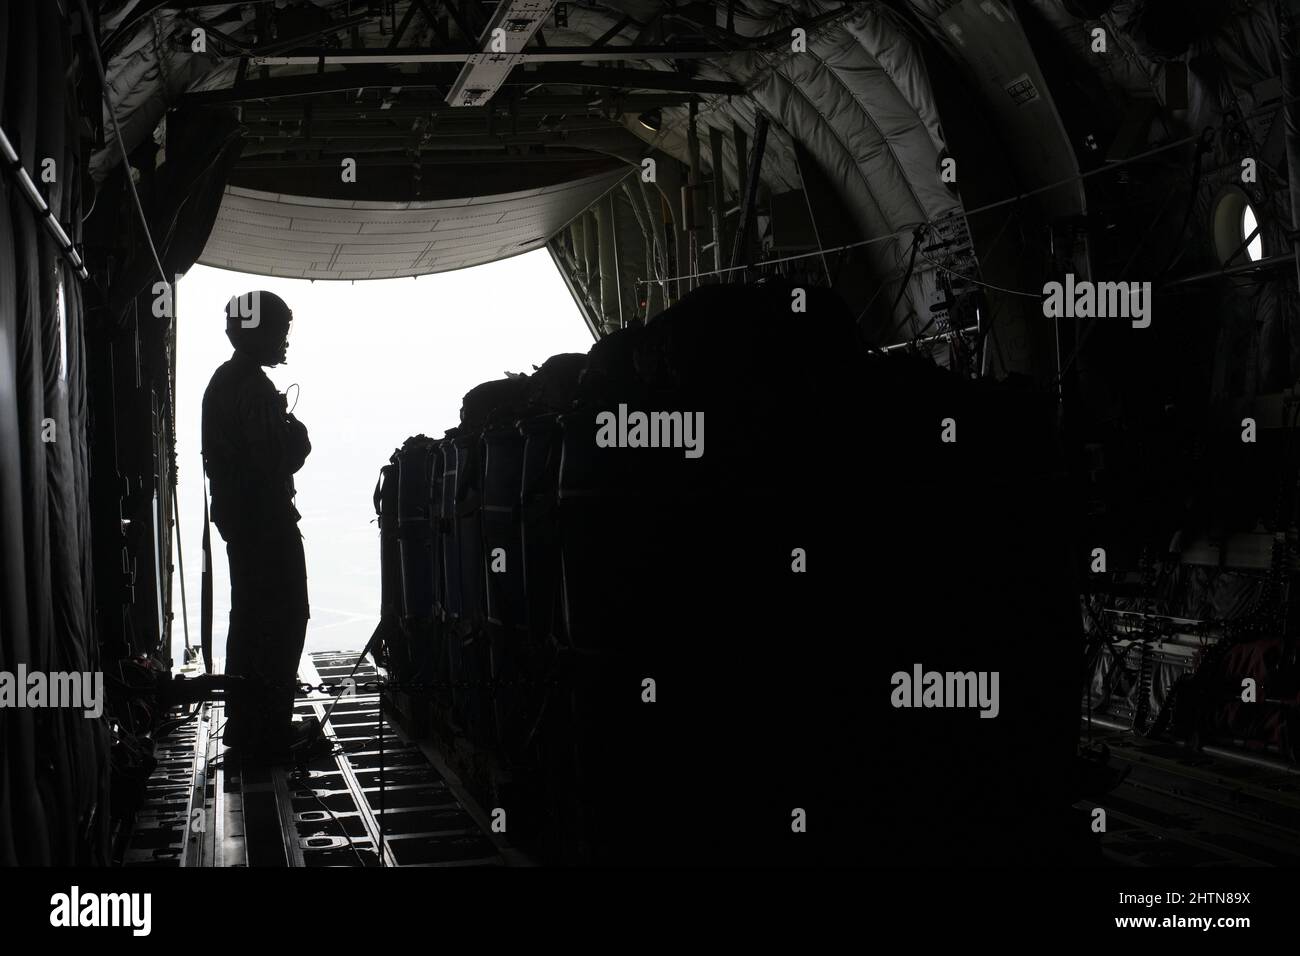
252,446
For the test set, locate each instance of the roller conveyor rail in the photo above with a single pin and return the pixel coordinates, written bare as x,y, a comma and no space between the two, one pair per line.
373,798
1181,807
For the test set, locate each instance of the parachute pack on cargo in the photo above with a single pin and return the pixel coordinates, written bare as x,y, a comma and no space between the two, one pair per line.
656,656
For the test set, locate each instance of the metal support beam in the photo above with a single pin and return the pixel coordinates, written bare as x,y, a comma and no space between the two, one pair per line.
741,248
690,204
262,19
634,198
500,50
403,161
223,39
462,19
624,78
439,24
613,31
611,285
579,242
706,25
350,23
671,180
605,263
471,57
591,258
825,207
579,297
1262,268
718,195
345,81
1289,52
143,11
335,137
414,107
650,29
472,12
400,32
740,143
653,205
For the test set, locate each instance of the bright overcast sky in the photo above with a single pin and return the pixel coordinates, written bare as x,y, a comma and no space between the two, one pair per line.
376,361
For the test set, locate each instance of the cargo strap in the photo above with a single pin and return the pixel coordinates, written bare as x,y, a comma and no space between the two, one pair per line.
205,613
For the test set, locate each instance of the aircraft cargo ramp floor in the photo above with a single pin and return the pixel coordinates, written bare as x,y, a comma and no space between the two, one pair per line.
1173,807
376,793
1176,807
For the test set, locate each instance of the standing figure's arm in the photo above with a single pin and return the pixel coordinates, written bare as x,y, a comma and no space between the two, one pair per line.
277,442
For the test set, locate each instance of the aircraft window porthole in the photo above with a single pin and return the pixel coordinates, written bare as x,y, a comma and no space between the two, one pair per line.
1234,222
1255,248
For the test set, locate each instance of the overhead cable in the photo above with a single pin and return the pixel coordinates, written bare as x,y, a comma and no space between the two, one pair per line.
92,42
987,207
979,282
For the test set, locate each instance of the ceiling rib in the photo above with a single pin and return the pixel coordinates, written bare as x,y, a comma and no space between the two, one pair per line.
499,61
513,24
565,74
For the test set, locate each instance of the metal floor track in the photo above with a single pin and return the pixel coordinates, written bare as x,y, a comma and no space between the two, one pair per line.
1179,807
374,798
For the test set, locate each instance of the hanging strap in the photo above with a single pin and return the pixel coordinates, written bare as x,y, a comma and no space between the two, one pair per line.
205,613
180,557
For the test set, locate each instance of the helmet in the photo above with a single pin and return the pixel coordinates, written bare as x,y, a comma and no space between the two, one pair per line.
257,324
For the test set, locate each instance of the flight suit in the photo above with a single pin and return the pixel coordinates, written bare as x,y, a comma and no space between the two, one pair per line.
251,449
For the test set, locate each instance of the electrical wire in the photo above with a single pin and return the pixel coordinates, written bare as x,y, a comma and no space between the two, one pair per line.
999,203
917,237
949,217
338,823
168,727
980,282
93,203
1204,146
